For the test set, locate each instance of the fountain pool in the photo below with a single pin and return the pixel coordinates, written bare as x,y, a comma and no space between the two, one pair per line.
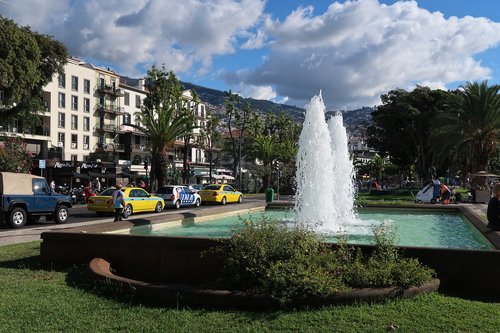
412,228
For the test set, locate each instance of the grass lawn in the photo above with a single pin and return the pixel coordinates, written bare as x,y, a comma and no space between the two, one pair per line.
34,298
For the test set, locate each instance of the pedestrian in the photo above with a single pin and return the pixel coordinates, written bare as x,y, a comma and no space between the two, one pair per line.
53,185
118,202
493,212
143,184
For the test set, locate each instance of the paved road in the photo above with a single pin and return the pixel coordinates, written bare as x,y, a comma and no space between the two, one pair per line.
80,216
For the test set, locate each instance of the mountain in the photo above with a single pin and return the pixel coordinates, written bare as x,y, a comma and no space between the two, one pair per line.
355,121
214,99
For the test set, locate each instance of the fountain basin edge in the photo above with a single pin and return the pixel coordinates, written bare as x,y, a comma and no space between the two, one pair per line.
190,295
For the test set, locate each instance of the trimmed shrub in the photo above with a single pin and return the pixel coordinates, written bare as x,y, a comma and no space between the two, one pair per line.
287,263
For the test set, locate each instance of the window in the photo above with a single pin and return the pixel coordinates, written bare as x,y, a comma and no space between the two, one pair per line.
126,118
86,123
102,101
74,122
74,141
74,83
86,105
137,121
40,186
137,140
86,86
102,82
137,101
74,158
60,139
62,80
62,100
86,140
127,98
61,120
74,103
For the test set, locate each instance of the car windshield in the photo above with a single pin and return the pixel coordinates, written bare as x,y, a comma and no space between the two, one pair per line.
165,190
211,187
107,192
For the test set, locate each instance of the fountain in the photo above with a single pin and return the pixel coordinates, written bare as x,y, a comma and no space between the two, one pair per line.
325,173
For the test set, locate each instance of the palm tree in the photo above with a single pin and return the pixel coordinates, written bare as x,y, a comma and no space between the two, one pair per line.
468,130
264,148
161,120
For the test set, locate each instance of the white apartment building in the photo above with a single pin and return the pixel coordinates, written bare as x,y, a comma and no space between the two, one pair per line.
71,102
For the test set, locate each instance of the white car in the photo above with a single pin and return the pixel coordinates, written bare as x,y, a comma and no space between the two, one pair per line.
428,193
177,196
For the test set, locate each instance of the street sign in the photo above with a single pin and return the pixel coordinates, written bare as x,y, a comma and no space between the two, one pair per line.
41,164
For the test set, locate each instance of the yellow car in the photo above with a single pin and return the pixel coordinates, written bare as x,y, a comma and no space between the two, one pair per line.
136,200
222,193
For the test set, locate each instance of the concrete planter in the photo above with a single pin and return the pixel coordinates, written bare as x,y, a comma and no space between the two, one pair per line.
191,295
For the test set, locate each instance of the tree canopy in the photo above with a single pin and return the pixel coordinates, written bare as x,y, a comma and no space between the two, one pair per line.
163,119
468,130
401,127
28,61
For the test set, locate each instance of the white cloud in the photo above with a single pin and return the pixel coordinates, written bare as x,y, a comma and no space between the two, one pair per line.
127,33
358,50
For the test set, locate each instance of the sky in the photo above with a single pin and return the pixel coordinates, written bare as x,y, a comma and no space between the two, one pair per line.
285,51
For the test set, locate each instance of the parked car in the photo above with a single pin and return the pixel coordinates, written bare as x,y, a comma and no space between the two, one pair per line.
136,200
25,197
178,195
221,193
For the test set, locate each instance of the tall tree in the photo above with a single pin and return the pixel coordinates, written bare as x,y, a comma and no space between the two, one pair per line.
161,120
189,108
210,140
28,61
14,155
401,127
236,122
468,130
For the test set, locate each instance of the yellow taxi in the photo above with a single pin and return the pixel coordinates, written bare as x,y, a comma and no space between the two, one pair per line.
136,200
221,193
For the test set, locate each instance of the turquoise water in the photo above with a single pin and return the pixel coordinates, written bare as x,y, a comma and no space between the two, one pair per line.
412,228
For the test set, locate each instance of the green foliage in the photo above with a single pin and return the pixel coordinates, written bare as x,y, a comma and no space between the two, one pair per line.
468,130
28,61
401,127
270,258
14,155
163,118
385,267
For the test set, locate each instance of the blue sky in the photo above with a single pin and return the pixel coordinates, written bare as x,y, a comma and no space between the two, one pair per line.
282,50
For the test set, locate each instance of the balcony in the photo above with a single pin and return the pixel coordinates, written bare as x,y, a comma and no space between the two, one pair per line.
110,147
110,109
140,148
110,128
109,89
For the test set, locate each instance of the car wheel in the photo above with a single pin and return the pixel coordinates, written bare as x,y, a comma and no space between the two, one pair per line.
240,199
62,214
223,201
197,203
17,217
128,210
159,207
177,204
